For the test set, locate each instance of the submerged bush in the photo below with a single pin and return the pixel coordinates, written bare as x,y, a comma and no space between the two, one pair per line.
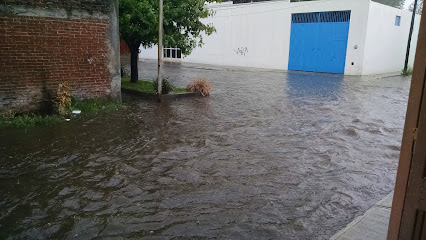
201,86
166,86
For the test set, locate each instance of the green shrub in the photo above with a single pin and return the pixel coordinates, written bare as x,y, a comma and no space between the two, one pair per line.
407,72
166,87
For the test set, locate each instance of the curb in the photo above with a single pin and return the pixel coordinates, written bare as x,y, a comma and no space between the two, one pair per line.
153,96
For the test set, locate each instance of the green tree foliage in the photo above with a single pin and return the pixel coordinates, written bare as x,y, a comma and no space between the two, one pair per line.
419,7
392,3
182,25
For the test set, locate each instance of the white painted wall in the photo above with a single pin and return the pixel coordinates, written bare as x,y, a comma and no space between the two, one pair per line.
262,31
148,53
258,35
386,43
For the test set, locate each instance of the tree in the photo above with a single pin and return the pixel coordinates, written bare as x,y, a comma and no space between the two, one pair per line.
419,7
392,3
182,26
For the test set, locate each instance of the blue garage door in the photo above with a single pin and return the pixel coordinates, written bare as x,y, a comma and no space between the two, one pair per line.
318,41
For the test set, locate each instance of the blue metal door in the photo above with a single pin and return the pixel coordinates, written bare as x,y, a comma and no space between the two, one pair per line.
318,41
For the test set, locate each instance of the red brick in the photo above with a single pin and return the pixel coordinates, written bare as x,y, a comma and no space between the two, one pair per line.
38,52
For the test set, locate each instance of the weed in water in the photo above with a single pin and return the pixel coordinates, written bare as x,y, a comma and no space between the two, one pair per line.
407,72
201,86
64,98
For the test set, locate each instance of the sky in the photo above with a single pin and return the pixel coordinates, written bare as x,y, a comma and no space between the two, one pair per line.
407,3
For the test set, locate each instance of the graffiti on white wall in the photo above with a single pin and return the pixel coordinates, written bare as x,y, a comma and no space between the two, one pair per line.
242,51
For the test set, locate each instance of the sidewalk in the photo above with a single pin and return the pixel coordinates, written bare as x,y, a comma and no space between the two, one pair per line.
373,225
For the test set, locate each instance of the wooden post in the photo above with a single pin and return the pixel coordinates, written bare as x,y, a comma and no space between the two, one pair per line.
160,48
411,123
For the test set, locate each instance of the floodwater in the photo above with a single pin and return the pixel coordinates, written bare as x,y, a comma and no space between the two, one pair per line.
270,155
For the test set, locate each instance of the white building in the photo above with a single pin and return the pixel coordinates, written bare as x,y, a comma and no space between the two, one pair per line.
354,37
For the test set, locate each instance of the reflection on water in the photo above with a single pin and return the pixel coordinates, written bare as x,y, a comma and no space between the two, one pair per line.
250,162
306,86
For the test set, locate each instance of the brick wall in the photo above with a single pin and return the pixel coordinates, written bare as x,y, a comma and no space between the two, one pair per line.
37,53
103,6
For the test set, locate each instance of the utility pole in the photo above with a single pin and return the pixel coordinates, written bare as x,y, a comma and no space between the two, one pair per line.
160,48
410,36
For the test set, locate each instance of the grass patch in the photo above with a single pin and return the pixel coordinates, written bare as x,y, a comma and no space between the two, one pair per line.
407,72
180,90
141,86
91,106
28,120
146,86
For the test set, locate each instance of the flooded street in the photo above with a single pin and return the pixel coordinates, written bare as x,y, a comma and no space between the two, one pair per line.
270,155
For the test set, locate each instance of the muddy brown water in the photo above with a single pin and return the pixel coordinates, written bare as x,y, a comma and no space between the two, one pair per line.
270,155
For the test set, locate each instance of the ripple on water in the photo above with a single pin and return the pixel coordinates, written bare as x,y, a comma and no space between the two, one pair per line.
270,155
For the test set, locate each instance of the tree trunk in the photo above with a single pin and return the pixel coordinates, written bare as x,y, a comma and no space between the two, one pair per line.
134,52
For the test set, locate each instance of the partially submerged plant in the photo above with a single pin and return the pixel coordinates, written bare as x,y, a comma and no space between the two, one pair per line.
64,98
166,86
8,114
407,72
201,86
